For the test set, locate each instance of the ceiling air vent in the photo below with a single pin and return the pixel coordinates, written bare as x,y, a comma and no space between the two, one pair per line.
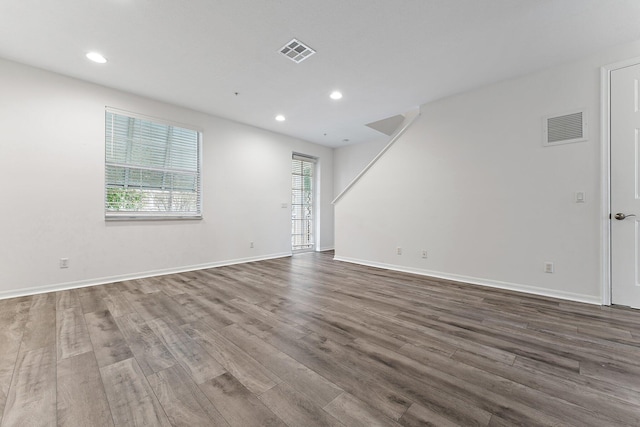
565,128
296,51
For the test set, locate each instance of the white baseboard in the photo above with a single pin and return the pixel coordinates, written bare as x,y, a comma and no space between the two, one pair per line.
141,275
326,248
589,299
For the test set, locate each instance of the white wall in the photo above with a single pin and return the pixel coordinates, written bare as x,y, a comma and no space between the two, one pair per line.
471,183
350,160
52,187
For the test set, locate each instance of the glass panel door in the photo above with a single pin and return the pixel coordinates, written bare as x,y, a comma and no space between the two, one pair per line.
302,203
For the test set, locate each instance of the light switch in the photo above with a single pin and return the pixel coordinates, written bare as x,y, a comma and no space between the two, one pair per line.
580,197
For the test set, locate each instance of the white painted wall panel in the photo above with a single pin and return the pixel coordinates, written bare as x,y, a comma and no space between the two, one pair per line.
471,183
350,160
52,187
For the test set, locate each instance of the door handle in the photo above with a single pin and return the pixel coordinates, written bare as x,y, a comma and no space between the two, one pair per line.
620,216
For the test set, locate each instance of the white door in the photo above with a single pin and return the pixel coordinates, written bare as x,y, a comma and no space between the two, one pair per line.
625,186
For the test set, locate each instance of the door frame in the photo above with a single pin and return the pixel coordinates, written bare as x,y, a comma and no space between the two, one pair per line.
605,182
315,194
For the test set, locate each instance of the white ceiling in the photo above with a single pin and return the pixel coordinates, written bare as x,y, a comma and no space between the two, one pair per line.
386,56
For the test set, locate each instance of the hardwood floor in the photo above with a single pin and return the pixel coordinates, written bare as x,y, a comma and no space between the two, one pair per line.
308,341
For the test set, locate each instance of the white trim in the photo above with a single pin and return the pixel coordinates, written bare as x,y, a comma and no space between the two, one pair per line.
412,116
113,216
112,279
605,176
605,173
326,248
570,296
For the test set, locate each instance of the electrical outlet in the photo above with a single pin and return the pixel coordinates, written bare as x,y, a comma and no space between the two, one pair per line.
548,267
424,253
399,251
251,245
64,262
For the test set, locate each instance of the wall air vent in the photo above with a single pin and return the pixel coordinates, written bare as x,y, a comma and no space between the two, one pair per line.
564,128
296,51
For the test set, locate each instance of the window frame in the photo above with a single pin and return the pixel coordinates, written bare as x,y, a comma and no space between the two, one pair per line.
153,215
314,212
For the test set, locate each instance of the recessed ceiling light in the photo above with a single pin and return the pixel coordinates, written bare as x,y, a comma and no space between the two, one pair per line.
96,57
280,118
335,95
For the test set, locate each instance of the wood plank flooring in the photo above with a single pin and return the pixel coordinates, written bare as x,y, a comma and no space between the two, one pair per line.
309,341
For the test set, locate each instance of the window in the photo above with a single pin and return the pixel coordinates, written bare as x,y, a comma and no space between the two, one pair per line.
302,203
152,169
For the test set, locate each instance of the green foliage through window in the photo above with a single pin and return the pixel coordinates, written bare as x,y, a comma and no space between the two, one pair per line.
123,199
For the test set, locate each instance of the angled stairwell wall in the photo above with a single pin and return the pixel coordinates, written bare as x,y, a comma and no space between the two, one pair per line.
471,183
353,161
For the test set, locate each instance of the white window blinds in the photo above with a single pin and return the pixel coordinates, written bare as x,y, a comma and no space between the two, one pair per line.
152,169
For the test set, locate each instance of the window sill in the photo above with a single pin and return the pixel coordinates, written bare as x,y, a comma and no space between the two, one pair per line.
135,217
